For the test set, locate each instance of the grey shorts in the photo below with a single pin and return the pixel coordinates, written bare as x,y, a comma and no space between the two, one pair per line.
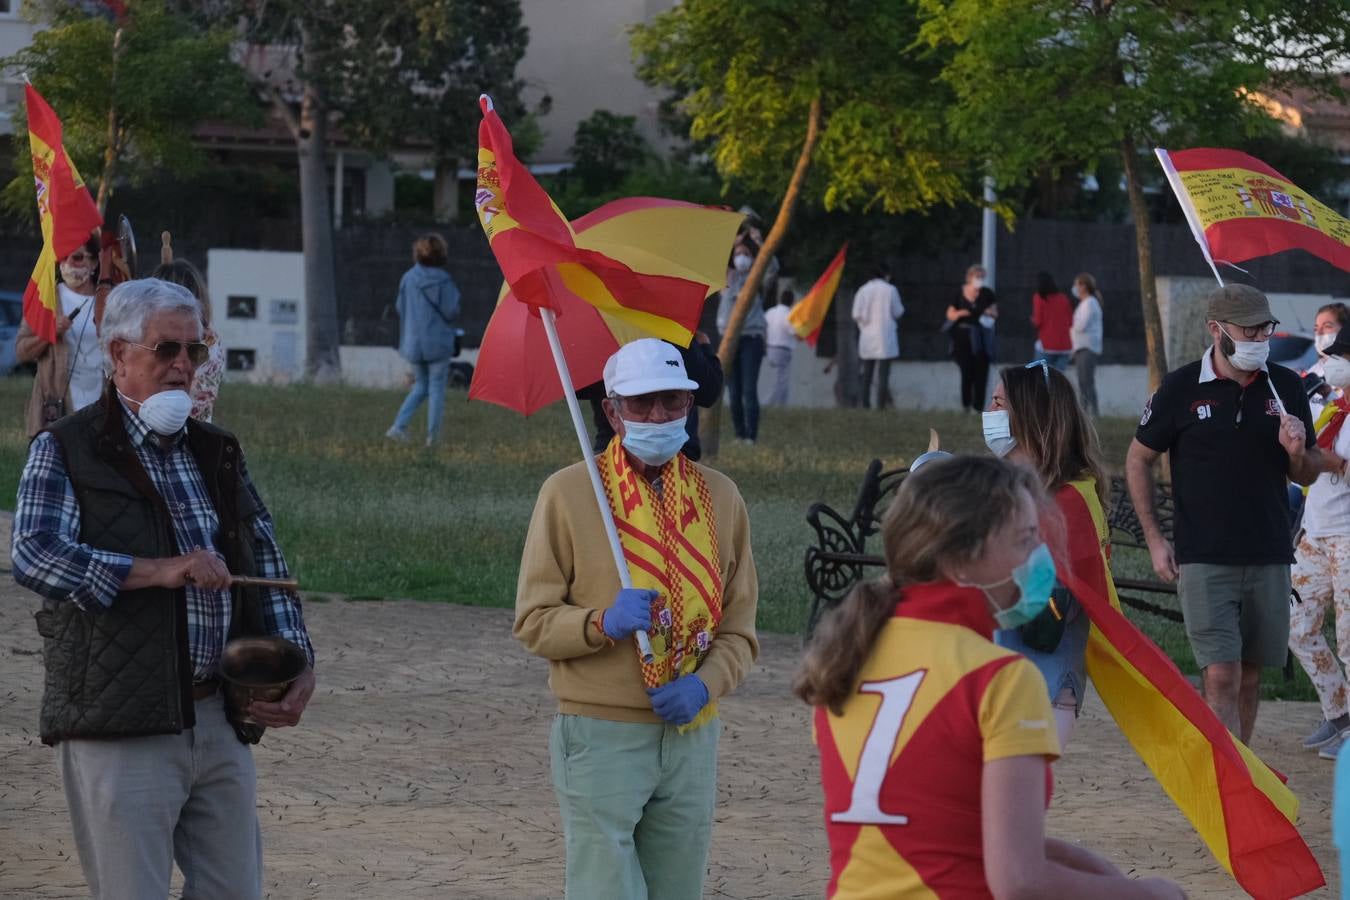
1236,613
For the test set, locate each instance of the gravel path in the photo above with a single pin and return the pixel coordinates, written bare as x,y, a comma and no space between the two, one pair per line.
421,770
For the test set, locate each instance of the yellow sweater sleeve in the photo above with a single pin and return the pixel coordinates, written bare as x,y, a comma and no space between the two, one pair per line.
547,624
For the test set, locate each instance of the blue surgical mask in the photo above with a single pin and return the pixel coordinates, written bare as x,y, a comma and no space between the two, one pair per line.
1035,579
998,432
655,443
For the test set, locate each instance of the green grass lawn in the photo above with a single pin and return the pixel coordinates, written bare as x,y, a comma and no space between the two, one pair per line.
360,516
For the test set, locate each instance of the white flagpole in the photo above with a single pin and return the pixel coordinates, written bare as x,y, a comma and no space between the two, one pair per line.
1187,207
583,437
1193,219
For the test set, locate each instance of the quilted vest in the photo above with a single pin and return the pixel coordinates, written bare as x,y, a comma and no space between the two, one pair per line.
124,671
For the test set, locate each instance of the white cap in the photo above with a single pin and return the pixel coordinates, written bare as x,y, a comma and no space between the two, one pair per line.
645,366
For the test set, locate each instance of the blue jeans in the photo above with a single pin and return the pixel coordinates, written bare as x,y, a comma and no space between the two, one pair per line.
429,381
744,386
1058,361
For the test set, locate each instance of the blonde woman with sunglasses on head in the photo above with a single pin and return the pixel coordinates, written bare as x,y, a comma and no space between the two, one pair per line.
69,372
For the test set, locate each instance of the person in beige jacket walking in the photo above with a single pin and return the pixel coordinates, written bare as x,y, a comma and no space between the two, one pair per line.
634,745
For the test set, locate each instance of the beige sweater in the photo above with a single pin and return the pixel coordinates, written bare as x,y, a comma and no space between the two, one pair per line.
567,576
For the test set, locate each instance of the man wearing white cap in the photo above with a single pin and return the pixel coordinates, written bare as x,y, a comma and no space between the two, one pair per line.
634,745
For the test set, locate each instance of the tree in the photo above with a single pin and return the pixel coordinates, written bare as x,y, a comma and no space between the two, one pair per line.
830,102
606,149
1055,83
129,93
386,73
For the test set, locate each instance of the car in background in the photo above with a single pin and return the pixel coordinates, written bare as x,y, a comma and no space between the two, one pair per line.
1293,350
11,314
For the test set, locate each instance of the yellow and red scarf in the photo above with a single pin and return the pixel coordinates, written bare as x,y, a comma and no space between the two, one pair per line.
670,542
1329,422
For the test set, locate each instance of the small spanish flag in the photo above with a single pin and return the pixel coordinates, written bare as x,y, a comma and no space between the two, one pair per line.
65,209
808,314
1239,208
539,255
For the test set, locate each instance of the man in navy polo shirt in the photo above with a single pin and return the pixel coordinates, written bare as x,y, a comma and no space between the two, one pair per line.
1236,431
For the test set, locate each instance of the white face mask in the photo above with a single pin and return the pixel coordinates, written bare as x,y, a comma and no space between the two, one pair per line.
73,276
1324,340
742,262
1337,371
166,412
998,432
977,283
1247,356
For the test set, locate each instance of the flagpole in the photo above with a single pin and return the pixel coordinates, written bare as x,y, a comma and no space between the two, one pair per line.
1198,232
606,514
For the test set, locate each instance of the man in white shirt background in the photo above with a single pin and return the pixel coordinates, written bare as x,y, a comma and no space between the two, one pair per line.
781,338
876,311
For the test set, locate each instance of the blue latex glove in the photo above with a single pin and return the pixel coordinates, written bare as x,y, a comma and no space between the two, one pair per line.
679,701
631,612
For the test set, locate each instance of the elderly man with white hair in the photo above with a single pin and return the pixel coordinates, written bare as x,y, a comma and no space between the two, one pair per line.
131,520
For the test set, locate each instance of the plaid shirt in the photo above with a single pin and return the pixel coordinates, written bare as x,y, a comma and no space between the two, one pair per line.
50,560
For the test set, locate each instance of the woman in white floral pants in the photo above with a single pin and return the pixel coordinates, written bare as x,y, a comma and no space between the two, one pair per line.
1321,573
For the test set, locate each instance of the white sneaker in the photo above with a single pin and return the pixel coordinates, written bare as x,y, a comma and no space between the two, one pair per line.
397,434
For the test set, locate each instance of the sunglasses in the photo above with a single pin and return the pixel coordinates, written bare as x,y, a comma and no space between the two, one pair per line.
79,257
671,401
167,351
1045,368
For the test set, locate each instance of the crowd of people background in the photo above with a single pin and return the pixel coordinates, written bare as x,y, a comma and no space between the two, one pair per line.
132,504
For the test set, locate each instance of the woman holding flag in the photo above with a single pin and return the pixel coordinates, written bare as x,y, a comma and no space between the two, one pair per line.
1034,419
69,371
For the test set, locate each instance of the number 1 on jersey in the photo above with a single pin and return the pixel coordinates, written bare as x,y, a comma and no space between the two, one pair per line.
897,694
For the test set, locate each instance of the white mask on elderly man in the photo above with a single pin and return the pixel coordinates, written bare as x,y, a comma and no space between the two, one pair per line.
166,412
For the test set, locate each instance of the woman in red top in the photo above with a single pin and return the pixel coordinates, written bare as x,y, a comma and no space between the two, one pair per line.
935,744
1052,314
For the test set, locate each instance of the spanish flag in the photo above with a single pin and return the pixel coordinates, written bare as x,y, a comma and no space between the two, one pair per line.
66,211
540,256
1240,807
1240,208
809,312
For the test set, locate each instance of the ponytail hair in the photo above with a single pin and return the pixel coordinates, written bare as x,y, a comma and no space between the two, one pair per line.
938,523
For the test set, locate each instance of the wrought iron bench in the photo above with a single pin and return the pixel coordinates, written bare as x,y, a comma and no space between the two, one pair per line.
840,556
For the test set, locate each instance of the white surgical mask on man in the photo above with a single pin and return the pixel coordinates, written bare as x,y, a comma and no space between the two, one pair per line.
1247,356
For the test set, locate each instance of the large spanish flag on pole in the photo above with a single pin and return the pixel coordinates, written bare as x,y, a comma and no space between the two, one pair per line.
1240,807
1240,208
539,254
808,314
65,209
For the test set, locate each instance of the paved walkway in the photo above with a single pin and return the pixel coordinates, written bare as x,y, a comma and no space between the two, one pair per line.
421,771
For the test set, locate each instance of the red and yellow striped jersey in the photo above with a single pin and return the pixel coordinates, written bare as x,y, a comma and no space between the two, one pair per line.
901,767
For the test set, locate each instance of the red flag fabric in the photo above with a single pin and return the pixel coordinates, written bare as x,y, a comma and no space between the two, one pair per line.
1240,807
66,211
1242,208
540,258
808,314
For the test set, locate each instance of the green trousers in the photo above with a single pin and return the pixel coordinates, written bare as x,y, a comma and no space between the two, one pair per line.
637,807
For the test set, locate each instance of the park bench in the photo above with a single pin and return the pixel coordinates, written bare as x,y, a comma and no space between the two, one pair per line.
840,558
